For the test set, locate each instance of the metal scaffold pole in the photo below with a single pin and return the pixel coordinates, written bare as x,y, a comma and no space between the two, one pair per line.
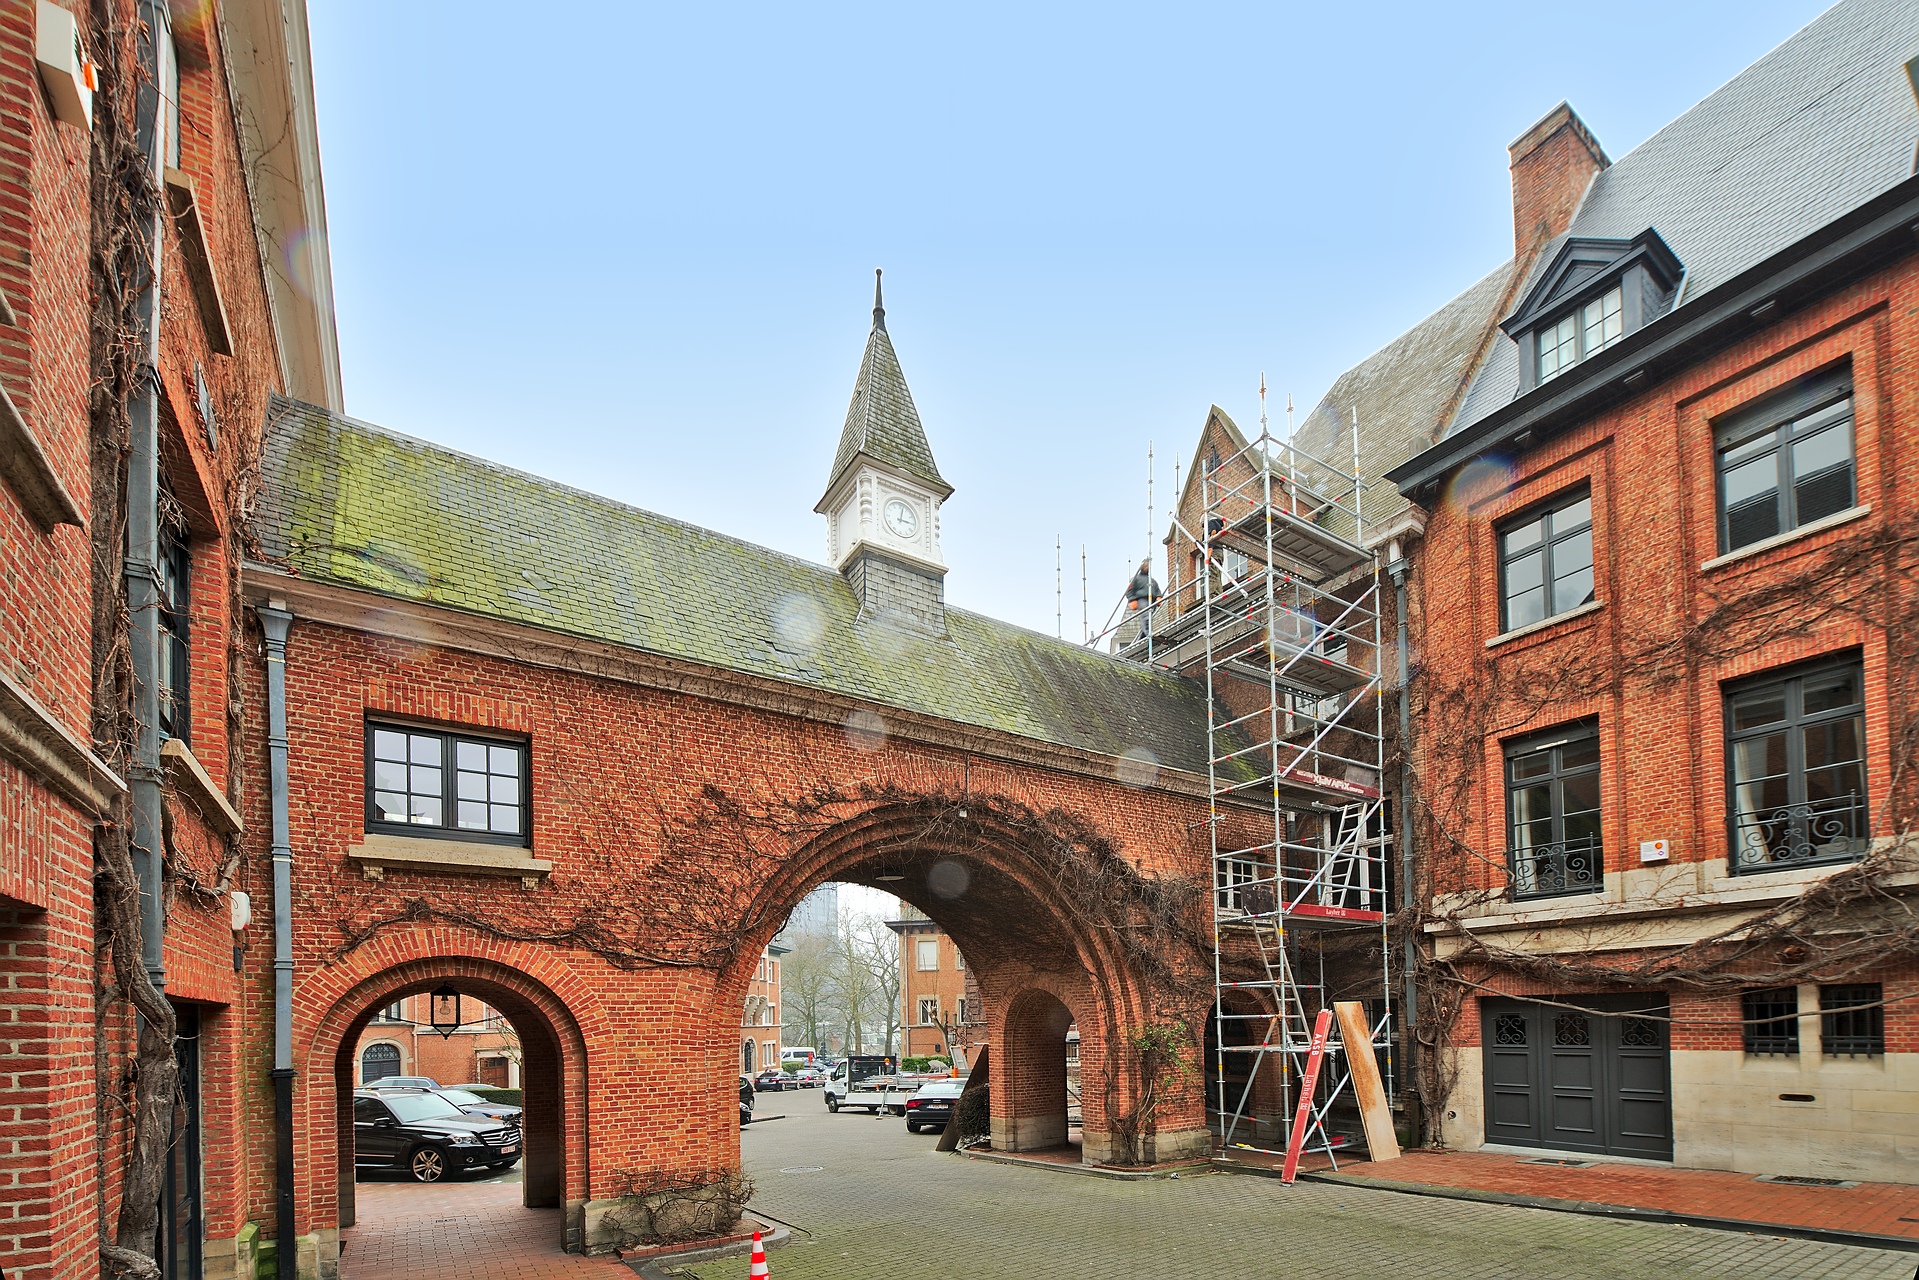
1281,620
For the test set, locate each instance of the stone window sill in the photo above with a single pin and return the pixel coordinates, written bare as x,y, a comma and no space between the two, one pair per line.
377,854
1832,521
1534,628
190,779
26,467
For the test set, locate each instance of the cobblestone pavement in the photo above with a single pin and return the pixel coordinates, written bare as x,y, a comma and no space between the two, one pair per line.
883,1203
458,1229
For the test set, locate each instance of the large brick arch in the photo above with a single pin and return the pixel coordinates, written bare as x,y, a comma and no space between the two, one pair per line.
1016,921
556,1015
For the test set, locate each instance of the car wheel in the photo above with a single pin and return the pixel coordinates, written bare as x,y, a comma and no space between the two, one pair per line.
912,1126
832,1103
427,1164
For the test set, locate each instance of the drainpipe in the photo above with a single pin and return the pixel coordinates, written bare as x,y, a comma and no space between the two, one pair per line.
143,526
277,622
1409,1004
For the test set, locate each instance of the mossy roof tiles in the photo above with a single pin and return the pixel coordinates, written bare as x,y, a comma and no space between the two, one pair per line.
355,505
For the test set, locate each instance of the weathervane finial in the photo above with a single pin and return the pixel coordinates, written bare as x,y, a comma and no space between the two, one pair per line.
879,306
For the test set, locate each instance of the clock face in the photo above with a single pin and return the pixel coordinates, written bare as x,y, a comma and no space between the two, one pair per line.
900,519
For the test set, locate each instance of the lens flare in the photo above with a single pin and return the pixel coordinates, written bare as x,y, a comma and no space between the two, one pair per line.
1137,767
865,731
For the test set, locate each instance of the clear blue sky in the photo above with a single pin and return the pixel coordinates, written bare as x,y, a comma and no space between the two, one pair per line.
630,246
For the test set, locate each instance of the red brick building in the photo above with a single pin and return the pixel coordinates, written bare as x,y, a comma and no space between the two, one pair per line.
760,1029
401,1041
1664,613
582,761
131,408
941,1011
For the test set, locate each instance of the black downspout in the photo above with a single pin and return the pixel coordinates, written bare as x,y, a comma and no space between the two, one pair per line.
1409,1006
277,623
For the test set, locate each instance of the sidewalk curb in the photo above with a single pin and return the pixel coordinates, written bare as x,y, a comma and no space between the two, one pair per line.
1593,1208
666,1266
1092,1170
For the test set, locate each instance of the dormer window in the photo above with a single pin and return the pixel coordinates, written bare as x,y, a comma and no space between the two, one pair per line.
1587,331
1590,295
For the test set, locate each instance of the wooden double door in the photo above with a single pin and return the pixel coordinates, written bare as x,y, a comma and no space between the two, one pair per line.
1595,1078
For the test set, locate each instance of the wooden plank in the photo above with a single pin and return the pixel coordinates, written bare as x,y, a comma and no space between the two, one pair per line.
1374,1111
976,1081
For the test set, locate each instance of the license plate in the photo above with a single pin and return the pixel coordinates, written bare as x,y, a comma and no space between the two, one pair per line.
510,1149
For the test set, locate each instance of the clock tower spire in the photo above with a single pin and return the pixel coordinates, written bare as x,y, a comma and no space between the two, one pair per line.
883,497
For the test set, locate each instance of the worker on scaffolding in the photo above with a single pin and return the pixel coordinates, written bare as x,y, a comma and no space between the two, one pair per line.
1141,595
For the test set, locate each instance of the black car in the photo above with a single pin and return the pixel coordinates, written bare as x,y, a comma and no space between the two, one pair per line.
746,1099
774,1080
428,1136
932,1106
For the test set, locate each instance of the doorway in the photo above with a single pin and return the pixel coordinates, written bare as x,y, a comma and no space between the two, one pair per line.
1593,1078
182,1216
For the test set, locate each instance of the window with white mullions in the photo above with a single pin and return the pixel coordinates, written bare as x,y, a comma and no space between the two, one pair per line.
1546,562
426,782
1795,748
1552,814
1581,334
1786,463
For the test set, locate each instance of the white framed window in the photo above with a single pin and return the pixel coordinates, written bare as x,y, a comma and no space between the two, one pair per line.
965,1014
1581,334
929,955
959,960
929,1012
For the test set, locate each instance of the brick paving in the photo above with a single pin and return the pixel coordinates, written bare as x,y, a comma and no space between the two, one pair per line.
884,1203
456,1230
1877,1208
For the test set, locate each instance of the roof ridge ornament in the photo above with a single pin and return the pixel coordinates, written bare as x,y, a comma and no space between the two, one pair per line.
879,304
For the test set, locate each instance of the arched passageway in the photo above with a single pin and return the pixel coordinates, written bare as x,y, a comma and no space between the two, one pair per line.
553,1084
1038,943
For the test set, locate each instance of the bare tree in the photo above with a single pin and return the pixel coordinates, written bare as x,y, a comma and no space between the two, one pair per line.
807,987
879,950
853,982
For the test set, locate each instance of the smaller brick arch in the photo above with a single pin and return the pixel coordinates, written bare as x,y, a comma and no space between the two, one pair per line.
1029,1096
556,1165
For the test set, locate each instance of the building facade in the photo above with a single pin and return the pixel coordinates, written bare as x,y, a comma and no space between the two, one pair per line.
941,1013
142,328
760,1031
1666,588
401,1041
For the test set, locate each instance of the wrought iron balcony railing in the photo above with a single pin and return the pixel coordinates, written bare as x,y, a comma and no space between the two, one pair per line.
1791,835
1557,869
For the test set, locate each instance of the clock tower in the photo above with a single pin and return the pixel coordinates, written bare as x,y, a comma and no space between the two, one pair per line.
882,502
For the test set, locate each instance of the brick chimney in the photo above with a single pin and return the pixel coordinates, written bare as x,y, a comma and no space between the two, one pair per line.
1552,164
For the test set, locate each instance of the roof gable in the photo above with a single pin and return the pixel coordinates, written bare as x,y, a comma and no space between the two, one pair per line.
1583,265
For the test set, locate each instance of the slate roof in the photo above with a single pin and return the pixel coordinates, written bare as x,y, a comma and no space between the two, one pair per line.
1814,129
882,422
1404,393
352,504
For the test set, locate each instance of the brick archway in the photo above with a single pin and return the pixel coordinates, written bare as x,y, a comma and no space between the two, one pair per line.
554,1017
1011,912
1029,1099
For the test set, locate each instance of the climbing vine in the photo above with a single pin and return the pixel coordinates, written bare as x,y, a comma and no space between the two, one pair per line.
1837,927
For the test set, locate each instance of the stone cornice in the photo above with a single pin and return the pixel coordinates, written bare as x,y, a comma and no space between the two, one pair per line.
450,628
40,744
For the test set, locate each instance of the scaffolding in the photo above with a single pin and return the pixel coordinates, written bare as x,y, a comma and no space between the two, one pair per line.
1281,616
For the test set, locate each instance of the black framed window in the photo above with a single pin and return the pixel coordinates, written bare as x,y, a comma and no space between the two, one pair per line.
1580,333
1552,814
1795,750
173,578
1546,562
446,783
1852,1021
1787,462
1770,1020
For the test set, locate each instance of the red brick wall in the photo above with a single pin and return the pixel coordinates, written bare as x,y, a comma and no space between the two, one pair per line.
658,1046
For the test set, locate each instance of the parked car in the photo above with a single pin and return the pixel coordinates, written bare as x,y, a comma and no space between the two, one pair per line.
809,1077
746,1100
427,1136
402,1082
474,1105
932,1106
773,1080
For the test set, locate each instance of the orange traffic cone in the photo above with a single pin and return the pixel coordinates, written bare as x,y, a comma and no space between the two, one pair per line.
758,1270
